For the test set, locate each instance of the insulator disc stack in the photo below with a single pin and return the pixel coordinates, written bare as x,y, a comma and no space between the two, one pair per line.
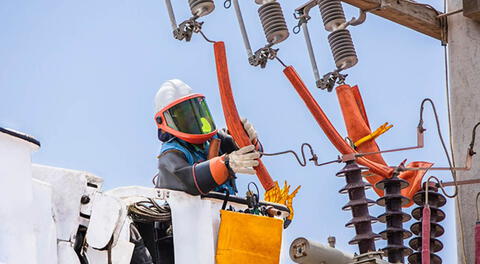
343,50
332,14
201,8
394,218
435,201
358,204
273,22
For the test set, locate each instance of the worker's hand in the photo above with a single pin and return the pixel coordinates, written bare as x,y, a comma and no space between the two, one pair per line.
252,133
243,160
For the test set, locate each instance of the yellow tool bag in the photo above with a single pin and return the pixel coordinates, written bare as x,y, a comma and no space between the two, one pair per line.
247,238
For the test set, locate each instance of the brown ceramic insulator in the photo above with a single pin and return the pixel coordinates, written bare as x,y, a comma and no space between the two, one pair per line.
435,200
383,217
436,216
435,244
416,258
358,204
436,230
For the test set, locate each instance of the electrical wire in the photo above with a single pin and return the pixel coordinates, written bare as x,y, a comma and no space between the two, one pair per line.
303,161
149,211
442,141
205,37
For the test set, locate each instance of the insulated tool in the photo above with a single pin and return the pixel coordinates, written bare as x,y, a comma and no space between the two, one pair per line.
394,218
274,27
428,228
340,40
185,30
235,127
232,118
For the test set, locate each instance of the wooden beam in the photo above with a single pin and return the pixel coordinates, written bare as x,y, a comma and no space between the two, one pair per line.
416,16
471,9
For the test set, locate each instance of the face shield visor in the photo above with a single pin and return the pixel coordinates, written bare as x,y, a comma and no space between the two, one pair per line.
187,118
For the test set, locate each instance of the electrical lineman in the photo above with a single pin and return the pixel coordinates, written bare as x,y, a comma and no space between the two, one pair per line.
189,160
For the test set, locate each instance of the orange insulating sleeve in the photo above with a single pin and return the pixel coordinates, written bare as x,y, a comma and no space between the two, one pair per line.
356,120
234,124
327,126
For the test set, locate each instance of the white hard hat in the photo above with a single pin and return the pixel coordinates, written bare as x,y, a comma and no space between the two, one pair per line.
170,91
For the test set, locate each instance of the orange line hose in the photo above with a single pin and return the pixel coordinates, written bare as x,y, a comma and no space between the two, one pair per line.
327,126
234,124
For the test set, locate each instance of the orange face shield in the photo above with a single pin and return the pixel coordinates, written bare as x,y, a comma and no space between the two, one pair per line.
187,118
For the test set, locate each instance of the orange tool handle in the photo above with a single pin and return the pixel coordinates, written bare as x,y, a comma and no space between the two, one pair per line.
327,126
234,124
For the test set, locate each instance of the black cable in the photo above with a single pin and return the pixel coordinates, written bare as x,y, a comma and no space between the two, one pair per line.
303,161
420,124
472,143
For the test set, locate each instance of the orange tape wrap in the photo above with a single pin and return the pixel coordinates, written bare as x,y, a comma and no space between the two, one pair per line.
234,124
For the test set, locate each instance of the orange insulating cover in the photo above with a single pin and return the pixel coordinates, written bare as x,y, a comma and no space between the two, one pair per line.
327,126
357,125
234,124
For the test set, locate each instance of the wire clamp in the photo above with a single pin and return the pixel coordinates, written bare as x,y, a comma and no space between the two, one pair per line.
261,56
330,79
185,30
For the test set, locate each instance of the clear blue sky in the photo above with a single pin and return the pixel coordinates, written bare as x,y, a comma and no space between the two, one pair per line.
81,76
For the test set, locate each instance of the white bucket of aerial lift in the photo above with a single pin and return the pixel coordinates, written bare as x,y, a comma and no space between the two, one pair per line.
66,254
17,237
44,223
121,250
109,228
195,220
69,188
191,220
108,215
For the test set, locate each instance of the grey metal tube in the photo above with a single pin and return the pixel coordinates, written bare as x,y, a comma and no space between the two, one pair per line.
308,252
311,54
243,30
171,14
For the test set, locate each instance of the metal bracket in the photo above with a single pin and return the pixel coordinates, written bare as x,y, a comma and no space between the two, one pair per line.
186,29
261,56
330,79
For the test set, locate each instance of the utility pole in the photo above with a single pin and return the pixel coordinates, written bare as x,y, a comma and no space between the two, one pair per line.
464,71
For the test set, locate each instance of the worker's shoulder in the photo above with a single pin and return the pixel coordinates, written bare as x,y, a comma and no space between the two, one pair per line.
174,147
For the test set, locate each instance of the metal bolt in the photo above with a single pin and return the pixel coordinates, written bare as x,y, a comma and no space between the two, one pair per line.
85,199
